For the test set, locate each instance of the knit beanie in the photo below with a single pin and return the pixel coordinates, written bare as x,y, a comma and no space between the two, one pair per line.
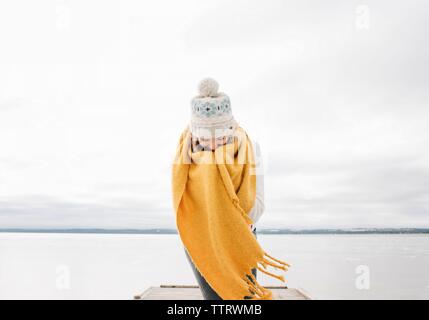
211,113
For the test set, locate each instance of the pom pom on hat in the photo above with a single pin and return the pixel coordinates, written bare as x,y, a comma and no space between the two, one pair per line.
208,87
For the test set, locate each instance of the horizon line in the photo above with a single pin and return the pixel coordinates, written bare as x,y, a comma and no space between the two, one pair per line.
161,230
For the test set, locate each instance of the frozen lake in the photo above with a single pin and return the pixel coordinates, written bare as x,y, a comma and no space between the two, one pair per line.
100,266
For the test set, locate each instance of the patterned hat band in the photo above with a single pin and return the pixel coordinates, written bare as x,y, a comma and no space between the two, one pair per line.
211,113
211,107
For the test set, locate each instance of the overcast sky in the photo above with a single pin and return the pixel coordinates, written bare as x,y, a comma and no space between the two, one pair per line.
94,95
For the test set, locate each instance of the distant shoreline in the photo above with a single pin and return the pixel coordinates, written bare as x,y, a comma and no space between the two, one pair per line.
259,231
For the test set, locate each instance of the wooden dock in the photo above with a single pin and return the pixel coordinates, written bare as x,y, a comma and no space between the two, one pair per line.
192,292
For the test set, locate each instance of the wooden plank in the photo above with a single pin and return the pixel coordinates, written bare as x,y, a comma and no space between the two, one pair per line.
305,294
192,292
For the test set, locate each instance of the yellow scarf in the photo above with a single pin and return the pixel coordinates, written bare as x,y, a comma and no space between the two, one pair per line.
213,193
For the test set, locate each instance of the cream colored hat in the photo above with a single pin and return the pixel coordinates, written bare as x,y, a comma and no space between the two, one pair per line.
211,114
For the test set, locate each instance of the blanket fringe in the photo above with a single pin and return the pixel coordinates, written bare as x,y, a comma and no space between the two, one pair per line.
256,290
259,292
281,278
282,265
279,261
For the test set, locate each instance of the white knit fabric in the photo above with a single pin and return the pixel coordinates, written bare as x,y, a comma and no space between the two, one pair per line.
259,206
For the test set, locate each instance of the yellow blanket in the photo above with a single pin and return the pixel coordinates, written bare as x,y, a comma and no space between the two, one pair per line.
213,193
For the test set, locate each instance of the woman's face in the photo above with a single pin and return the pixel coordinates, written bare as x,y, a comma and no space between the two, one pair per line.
212,143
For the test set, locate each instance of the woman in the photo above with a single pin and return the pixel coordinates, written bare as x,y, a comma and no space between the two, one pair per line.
218,198
205,144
